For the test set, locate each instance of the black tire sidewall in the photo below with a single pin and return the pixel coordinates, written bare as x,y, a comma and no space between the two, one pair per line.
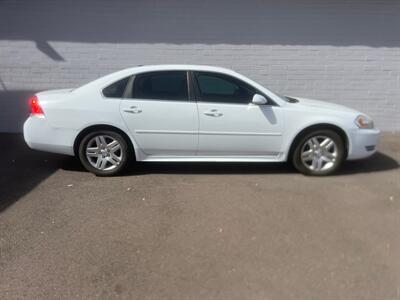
297,162
124,148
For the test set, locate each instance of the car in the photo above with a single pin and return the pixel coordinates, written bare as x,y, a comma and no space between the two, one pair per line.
189,113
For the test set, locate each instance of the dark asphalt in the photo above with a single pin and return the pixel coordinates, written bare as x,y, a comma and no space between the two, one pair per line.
198,231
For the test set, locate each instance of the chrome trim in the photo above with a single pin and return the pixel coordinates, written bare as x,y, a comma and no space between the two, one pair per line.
240,133
208,132
165,132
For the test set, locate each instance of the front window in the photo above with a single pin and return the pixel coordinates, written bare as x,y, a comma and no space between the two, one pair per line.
215,87
164,85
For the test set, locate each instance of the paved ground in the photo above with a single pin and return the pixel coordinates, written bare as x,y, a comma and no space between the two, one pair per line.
198,231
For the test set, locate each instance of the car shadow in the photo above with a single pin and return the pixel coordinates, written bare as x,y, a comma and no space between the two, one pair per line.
379,162
208,168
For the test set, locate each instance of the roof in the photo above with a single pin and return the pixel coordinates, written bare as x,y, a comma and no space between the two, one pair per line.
140,69
164,67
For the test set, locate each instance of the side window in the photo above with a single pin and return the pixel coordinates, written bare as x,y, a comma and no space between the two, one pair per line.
164,85
215,87
117,89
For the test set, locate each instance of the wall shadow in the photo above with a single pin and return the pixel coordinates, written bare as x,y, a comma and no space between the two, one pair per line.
46,48
22,169
14,110
237,22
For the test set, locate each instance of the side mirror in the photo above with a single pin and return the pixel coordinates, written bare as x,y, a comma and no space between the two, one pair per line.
259,99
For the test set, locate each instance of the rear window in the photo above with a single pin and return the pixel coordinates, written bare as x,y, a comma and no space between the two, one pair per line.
117,89
164,85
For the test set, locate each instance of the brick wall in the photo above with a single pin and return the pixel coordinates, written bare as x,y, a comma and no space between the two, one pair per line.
341,51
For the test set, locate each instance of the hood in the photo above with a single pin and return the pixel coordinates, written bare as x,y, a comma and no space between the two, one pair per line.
323,105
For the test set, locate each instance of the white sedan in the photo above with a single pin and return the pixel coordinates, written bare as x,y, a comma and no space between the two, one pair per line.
196,114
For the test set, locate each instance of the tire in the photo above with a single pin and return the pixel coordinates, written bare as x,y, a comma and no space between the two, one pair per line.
319,153
104,153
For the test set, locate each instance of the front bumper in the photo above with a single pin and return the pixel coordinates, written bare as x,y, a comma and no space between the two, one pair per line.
362,143
39,135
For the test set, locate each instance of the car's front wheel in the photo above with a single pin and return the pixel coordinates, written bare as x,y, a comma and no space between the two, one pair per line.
104,153
320,152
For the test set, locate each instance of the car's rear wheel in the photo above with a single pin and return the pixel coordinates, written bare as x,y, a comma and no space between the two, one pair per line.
104,153
318,153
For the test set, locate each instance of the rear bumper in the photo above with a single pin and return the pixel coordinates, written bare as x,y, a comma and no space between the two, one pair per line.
362,143
40,136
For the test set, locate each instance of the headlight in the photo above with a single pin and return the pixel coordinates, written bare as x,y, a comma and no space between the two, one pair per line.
364,122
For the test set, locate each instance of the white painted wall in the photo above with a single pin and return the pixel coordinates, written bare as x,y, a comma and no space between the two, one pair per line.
341,51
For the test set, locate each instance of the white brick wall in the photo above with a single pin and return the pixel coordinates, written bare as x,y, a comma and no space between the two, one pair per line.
341,51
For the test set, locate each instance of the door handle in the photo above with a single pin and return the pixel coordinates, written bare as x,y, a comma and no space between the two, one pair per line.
133,110
213,113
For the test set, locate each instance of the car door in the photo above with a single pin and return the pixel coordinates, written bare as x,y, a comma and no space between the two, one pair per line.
160,115
230,125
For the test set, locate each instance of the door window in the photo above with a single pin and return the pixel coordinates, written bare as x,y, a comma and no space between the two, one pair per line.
215,87
165,85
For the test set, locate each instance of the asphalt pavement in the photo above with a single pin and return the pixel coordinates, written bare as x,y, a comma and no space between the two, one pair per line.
198,230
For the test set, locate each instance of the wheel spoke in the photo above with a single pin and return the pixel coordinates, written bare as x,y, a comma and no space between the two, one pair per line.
115,148
325,142
320,163
307,155
92,151
103,163
103,140
99,162
115,157
314,163
112,144
330,155
315,142
98,141
114,160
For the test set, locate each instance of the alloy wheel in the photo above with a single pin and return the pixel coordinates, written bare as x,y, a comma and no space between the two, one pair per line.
319,153
104,152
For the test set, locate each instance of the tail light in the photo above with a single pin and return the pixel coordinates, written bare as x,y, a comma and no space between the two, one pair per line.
35,108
